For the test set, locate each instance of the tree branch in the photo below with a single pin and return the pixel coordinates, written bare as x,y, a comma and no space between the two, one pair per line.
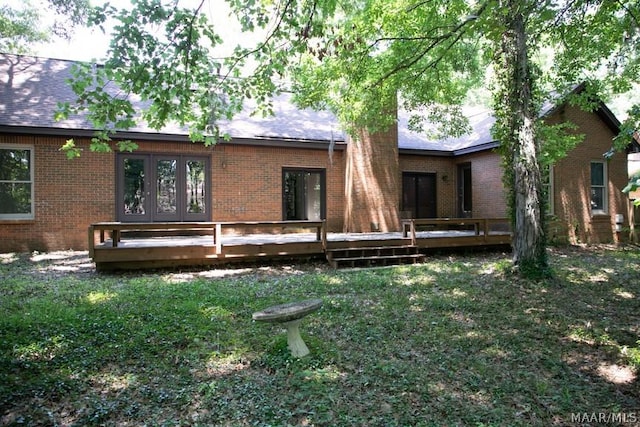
262,45
417,5
193,19
628,10
456,33
416,38
435,62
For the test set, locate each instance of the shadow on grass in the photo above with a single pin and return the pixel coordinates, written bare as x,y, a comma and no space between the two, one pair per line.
454,341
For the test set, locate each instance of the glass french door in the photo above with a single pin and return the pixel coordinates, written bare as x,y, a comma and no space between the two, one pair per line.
156,188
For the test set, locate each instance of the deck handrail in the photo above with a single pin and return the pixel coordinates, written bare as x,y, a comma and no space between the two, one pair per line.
409,225
318,225
116,228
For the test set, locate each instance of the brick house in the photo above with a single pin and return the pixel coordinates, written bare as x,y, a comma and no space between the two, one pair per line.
295,165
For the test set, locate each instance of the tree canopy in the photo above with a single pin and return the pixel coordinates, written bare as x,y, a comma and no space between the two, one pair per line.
23,25
349,58
17,29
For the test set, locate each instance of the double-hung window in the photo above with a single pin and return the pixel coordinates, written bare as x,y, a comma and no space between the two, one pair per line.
16,182
598,188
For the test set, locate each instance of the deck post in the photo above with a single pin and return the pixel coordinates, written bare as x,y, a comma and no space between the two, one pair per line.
92,240
115,237
414,241
323,234
217,236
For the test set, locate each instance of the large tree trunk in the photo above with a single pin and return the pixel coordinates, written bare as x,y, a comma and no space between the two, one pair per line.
521,147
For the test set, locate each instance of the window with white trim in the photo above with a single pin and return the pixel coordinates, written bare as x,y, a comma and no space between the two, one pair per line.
16,182
598,188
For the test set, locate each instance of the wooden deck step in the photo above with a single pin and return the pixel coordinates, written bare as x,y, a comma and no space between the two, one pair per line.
373,256
376,261
371,250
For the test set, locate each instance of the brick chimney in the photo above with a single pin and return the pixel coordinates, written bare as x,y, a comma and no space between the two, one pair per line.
372,188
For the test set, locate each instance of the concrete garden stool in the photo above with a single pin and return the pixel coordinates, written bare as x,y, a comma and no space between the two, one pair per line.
290,315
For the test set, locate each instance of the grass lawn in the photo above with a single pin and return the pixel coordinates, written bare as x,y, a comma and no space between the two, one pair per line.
454,341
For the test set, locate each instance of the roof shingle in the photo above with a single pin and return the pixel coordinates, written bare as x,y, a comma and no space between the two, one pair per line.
31,87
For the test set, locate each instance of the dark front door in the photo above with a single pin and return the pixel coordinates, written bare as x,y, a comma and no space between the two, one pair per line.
154,188
419,194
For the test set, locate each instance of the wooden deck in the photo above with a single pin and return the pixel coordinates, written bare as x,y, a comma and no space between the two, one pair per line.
116,245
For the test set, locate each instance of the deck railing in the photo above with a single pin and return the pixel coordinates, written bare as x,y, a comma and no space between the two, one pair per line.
216,229
481,226
117,245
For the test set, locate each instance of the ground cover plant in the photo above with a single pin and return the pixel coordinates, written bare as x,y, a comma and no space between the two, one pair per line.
454,341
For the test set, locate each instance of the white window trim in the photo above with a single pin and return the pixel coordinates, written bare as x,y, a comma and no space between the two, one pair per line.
605,192
551,210
30,215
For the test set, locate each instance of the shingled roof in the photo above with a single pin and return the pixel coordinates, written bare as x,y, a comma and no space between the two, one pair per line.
31,87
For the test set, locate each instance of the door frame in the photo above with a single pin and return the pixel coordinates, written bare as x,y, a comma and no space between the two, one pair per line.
417,196
150,177
323,190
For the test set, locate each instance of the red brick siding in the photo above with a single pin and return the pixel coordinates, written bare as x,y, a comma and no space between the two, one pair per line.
572,181
488,194
247,181
246,184
372,191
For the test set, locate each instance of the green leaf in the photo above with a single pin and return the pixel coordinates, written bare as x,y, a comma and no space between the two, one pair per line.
70,149
99,146
127,145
